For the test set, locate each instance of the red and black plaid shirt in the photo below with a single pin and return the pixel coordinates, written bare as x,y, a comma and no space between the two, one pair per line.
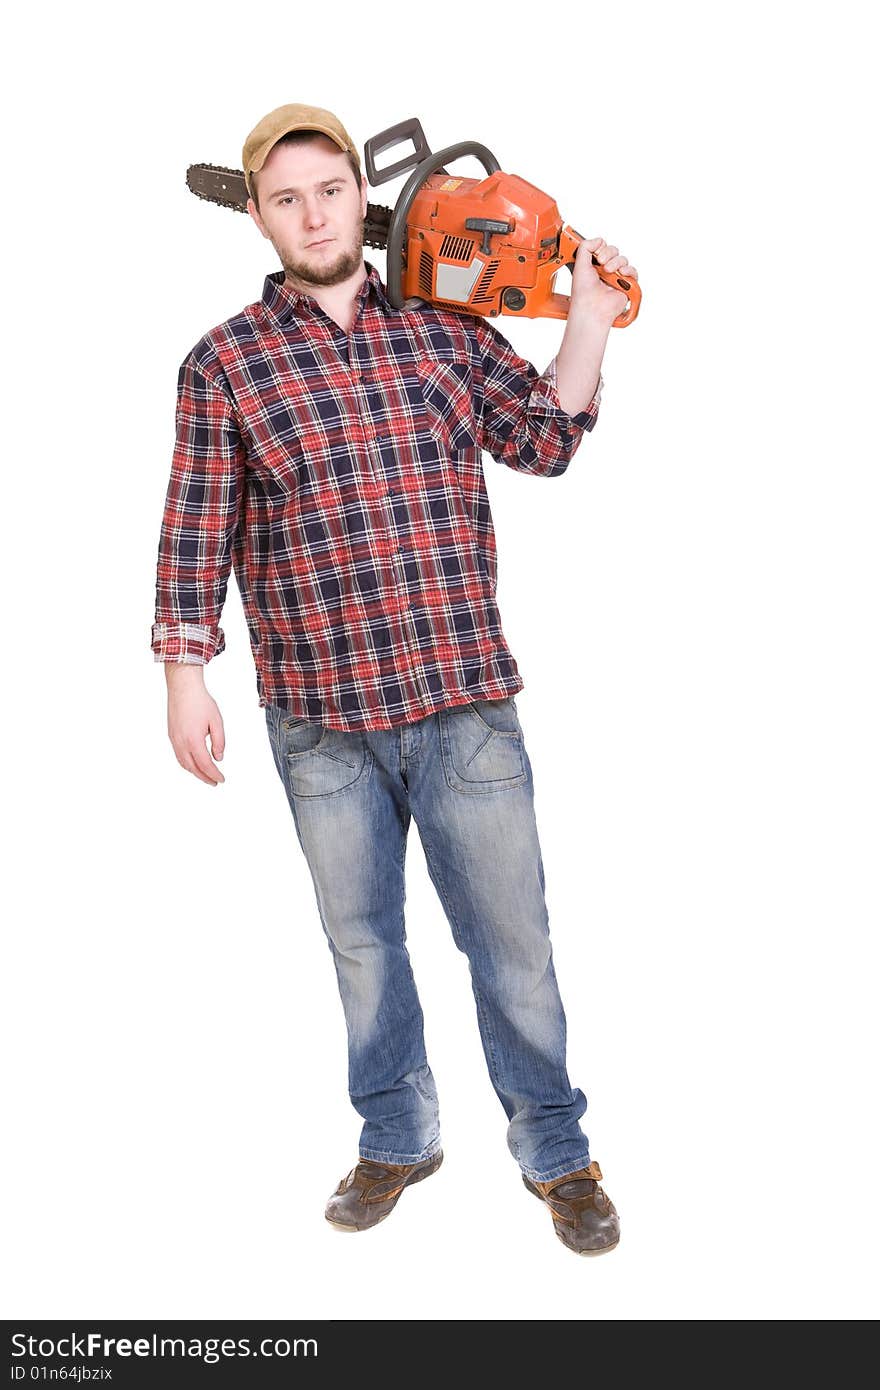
341,476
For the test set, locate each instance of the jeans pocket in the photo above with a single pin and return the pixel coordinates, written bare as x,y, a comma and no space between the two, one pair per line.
481,746
290,721
319,761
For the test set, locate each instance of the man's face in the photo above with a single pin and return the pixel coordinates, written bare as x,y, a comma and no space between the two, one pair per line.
312,211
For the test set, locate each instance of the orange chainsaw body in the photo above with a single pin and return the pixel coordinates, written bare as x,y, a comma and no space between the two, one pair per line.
485,271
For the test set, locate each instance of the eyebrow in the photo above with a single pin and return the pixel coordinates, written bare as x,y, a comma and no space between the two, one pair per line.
325,183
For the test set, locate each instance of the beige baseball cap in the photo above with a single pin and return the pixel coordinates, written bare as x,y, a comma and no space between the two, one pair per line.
284,119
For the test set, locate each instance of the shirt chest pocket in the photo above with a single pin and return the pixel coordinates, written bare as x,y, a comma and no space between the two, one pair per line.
447,391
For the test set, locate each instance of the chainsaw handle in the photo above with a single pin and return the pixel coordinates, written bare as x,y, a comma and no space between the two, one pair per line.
631,288
397,225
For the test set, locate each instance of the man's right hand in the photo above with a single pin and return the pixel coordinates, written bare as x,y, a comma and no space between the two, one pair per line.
193,714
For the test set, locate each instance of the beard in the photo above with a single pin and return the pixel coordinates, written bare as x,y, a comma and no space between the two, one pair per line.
330,271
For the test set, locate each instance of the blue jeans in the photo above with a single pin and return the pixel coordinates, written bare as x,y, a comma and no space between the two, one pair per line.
465,776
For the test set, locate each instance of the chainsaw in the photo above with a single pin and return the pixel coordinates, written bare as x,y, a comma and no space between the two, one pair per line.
479,246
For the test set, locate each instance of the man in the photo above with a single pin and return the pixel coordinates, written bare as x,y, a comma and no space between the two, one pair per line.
329,448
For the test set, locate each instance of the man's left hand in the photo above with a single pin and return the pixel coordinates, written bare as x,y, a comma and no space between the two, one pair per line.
589,292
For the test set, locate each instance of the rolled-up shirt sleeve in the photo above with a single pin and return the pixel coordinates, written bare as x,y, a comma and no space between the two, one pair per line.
521,421
203,506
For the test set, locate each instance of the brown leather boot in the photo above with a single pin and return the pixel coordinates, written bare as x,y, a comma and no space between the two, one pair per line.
371,1190
584,1216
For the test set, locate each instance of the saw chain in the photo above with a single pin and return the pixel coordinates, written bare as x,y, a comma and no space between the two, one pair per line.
227,188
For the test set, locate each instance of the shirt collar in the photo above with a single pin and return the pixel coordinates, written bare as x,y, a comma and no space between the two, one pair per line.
287,304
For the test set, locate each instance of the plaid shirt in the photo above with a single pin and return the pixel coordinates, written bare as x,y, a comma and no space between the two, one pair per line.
341,476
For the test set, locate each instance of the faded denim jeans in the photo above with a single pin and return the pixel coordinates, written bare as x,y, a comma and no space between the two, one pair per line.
465,775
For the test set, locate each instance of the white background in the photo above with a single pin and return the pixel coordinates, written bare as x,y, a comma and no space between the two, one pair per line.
693,607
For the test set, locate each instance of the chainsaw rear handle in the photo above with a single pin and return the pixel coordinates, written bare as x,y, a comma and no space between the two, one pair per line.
397,226
568,245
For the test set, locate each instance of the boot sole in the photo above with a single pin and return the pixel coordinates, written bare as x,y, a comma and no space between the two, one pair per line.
410,1182
600,1250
